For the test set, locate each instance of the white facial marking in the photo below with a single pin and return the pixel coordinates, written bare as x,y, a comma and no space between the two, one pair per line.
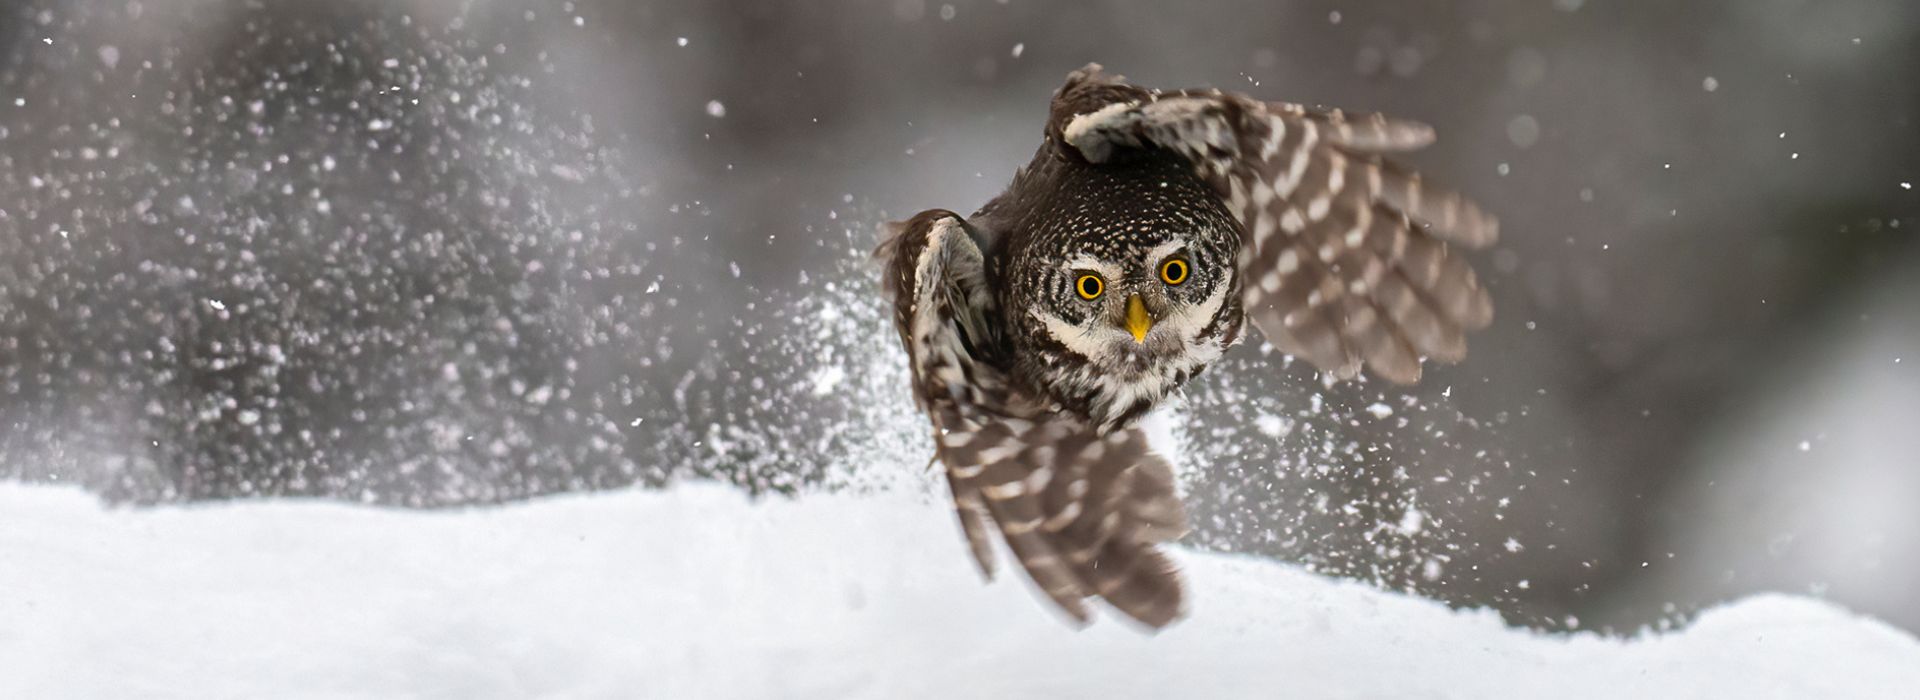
1107,271
1160,252
1187,321
1094,341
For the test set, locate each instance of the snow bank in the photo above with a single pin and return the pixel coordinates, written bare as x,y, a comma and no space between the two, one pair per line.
698,592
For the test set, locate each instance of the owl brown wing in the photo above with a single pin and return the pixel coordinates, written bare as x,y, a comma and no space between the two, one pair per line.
1346,257
1081,511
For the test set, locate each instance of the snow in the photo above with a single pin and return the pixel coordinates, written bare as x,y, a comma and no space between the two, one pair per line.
1809,484
697,591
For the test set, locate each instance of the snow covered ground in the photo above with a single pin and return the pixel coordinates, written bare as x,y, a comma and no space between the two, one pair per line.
698,592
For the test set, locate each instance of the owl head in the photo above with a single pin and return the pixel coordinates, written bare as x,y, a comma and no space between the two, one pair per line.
1124,310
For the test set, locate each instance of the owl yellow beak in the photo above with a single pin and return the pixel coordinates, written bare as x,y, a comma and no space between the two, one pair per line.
1138,322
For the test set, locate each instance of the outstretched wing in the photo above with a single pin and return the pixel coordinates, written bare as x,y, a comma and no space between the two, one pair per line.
1346,258
1081,511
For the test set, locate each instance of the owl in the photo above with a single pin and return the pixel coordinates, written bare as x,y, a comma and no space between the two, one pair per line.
1148,232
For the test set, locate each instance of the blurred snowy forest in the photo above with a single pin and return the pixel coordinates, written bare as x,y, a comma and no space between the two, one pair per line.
435,252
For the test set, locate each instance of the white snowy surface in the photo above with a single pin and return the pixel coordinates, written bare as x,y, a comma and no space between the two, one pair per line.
698,592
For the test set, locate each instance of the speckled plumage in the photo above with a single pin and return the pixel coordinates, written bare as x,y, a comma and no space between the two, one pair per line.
1280,215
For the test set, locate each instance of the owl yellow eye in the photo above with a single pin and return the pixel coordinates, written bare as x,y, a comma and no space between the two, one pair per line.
1089,287
1173,271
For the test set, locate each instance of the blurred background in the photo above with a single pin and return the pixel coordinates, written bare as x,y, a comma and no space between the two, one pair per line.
437,253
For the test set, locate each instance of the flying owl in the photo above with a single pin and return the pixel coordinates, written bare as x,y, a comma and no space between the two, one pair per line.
1149,230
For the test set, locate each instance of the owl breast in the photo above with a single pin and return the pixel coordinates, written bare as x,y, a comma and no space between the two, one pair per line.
1120,221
